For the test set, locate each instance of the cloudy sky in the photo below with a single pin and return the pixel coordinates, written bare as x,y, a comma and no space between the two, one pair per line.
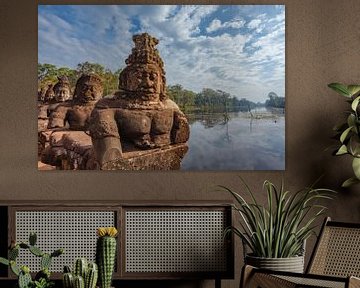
239,49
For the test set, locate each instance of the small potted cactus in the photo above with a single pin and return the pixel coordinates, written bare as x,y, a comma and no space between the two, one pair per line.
42,278
85,275
106,254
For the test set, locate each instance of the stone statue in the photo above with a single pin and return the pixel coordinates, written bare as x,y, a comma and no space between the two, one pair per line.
49,100
139,116
49,94
41,95
62,90
76,113
69,143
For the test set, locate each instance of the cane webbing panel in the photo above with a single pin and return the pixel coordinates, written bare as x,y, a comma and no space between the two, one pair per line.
313,282
74,231
338,252
175,241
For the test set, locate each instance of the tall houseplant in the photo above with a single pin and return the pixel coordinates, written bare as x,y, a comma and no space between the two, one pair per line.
348,132
279,229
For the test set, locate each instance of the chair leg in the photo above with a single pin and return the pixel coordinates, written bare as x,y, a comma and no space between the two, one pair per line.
217,283
246,273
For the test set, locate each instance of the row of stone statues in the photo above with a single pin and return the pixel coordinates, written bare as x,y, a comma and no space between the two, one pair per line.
138,128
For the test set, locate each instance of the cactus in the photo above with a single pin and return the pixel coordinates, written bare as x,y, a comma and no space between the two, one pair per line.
24,280
79,282
80,268
43,274
45,261
13,253
91,276
4,261
68,280
105,254
57,253
89,272
36,251
32,239
14,268
42,278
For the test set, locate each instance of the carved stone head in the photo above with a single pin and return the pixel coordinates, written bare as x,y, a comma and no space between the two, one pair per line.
144,77
62,89
89,88
49,94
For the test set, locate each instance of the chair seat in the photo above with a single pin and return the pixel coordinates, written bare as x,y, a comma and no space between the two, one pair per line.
255,277
315,282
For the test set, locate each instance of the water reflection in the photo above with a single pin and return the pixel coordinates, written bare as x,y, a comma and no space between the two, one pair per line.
236,141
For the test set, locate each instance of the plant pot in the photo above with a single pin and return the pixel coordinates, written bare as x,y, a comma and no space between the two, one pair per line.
291,264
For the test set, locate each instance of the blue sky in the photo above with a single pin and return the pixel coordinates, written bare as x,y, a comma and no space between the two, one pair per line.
239,49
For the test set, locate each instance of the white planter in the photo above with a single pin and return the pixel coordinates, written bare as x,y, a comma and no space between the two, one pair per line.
291,264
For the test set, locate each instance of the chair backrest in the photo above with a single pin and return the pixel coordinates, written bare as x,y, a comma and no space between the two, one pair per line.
337,251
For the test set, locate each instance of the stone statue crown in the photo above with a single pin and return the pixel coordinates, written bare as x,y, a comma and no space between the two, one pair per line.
145,51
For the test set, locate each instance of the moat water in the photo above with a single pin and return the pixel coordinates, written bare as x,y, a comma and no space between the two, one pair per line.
236,141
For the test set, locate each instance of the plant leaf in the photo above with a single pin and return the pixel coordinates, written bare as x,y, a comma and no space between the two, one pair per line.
356,167
342,150
351,119
353,89
355,103
4,261
349,182
345,134
340,88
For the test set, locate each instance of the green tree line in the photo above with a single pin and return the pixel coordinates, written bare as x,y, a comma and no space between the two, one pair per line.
206,100
47,74
275,101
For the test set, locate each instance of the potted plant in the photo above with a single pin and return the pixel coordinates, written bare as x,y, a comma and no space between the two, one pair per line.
276,233
348,132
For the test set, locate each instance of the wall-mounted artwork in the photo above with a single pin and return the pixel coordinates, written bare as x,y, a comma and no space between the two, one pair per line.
161,87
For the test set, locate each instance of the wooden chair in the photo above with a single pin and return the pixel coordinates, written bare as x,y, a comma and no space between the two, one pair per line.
335,262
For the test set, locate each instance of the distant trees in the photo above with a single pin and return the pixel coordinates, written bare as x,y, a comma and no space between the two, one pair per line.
184,98
206,100
47,74
275,101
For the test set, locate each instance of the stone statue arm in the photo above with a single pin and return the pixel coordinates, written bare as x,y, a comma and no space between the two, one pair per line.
57,118
180,132
105,136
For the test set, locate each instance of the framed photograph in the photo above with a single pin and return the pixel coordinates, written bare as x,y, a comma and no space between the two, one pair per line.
161,87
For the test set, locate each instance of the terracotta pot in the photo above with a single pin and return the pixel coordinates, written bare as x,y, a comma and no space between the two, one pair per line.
291,264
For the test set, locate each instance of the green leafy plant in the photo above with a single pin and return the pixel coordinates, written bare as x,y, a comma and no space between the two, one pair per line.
348,132
42,278
279,229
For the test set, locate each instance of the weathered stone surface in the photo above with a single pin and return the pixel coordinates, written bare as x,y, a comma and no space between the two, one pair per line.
49,94
62,90
70,150
67,123
48,102
76,113
140,113
165,158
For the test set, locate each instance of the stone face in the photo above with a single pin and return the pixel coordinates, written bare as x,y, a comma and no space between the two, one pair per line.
62,90
67,127
76,113
139,116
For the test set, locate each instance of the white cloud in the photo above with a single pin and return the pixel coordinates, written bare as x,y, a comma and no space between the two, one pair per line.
217,25
253,24
244,65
